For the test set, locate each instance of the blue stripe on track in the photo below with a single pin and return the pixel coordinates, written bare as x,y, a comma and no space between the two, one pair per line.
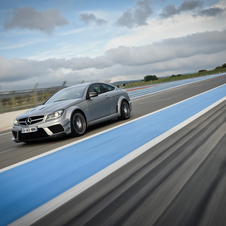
28,186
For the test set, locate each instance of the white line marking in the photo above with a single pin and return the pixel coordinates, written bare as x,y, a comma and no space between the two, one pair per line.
157,92
48,207
75,142
7,150
2,134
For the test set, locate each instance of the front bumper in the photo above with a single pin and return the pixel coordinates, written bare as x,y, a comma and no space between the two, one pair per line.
49,129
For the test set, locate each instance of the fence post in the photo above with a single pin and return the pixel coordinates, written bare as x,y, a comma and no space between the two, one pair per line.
13,101
1,107
35,94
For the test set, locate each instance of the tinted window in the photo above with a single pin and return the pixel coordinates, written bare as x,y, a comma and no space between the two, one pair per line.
107,88
95,88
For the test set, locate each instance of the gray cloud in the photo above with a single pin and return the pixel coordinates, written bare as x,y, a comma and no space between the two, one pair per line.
142,12
136,17
211,12
91,18
189,5
169,11
29,18
175,48
126,20
132,59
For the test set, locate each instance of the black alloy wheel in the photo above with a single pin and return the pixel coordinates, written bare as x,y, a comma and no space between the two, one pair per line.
125,110
78,124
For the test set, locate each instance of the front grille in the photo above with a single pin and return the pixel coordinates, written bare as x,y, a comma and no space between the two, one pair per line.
56,128
31,120
32,136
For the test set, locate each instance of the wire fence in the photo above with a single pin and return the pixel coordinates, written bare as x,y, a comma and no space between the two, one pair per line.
24,99
13,100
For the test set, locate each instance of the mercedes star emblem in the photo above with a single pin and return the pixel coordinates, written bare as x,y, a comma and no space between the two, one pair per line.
28,121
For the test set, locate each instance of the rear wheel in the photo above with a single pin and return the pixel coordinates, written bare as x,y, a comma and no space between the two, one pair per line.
125,110
78,124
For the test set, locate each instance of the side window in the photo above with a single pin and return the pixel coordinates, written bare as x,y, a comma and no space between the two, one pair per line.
95,88
107,88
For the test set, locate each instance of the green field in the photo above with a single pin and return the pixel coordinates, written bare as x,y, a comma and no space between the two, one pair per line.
171,79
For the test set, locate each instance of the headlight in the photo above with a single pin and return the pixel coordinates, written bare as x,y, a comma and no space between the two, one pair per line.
16,122
54,115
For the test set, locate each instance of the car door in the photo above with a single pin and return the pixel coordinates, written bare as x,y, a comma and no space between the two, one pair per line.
99,106
108,89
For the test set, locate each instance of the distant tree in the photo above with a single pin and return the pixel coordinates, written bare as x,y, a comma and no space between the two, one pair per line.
224,65
203,70
147,78
150,78
154,77
176,75
218,67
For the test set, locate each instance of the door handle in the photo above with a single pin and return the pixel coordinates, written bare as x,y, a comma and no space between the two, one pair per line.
106,96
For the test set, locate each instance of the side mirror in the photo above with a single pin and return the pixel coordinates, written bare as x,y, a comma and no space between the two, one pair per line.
93,94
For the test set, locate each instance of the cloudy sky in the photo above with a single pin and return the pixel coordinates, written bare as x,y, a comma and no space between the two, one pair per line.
75,40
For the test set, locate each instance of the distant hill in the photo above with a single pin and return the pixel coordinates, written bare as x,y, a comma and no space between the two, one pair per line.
132,81
125,82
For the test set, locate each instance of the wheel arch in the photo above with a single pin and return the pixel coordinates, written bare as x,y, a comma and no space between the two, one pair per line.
122,98
71,110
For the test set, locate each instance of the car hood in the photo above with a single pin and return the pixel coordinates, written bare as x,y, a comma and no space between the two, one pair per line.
50,108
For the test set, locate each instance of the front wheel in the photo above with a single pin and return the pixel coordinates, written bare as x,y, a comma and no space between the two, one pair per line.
78,124
125,110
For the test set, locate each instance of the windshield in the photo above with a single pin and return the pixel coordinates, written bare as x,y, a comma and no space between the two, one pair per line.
67,94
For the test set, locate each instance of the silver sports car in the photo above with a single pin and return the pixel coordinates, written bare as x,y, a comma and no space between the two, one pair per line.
71,110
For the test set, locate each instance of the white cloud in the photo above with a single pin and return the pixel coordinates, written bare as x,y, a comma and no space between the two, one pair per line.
157,30
178,44
200,43
161,57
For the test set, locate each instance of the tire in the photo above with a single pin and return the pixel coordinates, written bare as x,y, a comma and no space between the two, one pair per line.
78,124
125,110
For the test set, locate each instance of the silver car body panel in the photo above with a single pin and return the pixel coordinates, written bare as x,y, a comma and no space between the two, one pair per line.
97,109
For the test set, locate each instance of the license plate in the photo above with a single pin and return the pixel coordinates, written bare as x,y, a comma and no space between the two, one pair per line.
29,130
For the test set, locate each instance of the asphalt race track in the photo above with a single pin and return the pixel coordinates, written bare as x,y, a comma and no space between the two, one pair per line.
12,153
180,181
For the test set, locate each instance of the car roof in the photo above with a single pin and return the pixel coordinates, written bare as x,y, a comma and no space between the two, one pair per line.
88,83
